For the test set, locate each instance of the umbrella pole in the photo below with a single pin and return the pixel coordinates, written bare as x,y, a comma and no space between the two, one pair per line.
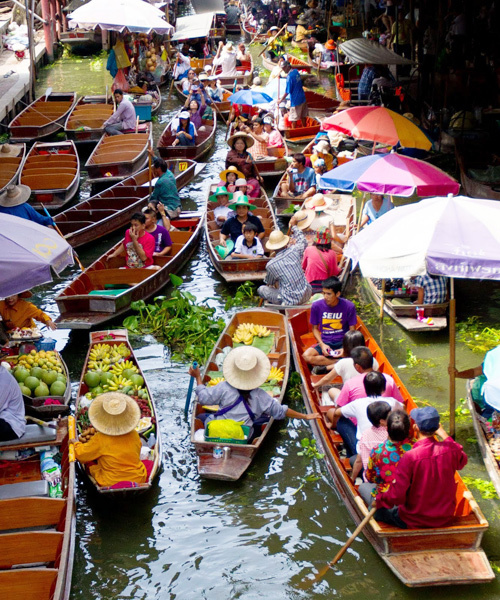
361,212
382,299
452,327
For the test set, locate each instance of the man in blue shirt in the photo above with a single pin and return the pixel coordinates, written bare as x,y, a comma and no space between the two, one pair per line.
294,89
14,201
165,190
301,179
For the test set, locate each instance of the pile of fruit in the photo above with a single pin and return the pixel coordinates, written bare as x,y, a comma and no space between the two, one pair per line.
245,333
40,374
87,434
20,333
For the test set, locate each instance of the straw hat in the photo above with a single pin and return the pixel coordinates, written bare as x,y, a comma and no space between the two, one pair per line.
240,182
220,191
10,149
318,202
330,45
228,47
15,195
241,201
304,218
301,21
277,240
203,77
246,368
239,175
249,141
114,413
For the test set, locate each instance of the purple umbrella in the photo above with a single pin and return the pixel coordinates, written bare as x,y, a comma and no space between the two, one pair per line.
29,251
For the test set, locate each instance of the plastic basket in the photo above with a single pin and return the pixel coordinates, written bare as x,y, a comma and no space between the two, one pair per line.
246,431
45,344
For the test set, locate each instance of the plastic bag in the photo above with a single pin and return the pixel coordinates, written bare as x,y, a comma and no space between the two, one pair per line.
227,429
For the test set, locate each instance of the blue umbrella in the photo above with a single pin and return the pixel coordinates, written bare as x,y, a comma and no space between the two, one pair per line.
250,97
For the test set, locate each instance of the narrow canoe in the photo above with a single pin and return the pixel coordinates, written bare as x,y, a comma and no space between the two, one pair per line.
111,209
244,76
251,34
86,302
304,134
44,116
52,171
205,141
85,123
118,156
117,337
472,156
297,63
418,557
241,455
10,167
405,314
239,270
223,107
37,532
320,103
491,456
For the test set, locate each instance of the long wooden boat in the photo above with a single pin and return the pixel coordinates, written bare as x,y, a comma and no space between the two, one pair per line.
490,453
223,107
52,171
149,433
239,270
404,314
10,167
250,33
320,104
418,557
44,116
297,63
471,156
105,289
304,134
241,455
205,140
80,37
37,532
111,209
85,123
118,156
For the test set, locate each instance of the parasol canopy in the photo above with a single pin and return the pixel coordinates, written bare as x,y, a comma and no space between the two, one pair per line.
29,251
393,174
250,97
363,51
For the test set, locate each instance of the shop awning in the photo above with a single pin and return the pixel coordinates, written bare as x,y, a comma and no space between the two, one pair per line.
194,26
202,6
360,50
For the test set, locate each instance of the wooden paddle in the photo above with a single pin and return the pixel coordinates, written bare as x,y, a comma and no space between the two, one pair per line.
40,422
61,234
272,40
48,91
190,391
219,112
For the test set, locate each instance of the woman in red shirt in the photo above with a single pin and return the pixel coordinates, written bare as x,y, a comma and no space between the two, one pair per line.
320,260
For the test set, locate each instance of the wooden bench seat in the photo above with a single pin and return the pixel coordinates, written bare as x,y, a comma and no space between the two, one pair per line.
51,181
29,547
118,156
28,584
25,513
114,140
100,277
44,159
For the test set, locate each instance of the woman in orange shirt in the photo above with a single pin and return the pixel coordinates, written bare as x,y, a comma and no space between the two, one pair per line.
17,313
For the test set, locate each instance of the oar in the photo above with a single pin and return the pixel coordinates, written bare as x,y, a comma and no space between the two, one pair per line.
190,391
71,436
61,234
310,582
272,40
40,422
219,112
150,169
48,91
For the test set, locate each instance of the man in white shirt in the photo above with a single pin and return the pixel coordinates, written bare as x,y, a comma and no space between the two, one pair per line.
123,118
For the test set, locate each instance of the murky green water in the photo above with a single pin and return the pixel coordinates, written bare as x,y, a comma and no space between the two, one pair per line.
189,539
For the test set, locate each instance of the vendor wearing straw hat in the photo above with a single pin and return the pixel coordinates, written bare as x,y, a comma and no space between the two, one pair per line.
285,279
240,158
116,446
14,201
17,313
239,397
233,227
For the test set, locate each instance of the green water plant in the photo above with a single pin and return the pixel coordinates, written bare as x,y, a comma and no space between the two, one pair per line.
476,336
485,488
311,452
244,296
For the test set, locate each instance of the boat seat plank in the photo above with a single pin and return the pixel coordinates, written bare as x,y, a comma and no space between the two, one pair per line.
112,158
48,182
28,584
30,512
9,160
99,278
33,434
43,159
24,489
28,547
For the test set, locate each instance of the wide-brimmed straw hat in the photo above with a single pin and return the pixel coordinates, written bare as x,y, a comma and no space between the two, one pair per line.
246,368
242,200
220,191
229,47
277,240
10,149
232,169
301,21
15,195
114,413
249,141
304,218
318,202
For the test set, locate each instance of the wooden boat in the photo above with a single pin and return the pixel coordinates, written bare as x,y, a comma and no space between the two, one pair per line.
111,209
491,457
404,313
240,270
305,134
118,156
472,157
52,171
37,532
297,63
44,116
10,167
85,123
244,77
119,337
80,37
250,33
223,107
105,289
241,455
320,104
418,557
205,140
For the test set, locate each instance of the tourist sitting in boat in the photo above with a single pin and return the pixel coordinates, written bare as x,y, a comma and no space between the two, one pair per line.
423,492
320,260
189,80
282,116
226,58
275,139
301,179
323,150
214,89
295,90
163,242
319,170
242,55
233,227
375,208
384,458
17,313
165,191
138,245
275,46
14,201
182,66
12,422
248,244
431,289
285,282
195,110
222,212
240,158
116,445
229,177
260,138
239,397
186,132
123,119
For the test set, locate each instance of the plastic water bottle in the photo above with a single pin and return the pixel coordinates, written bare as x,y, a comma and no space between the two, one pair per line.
152,440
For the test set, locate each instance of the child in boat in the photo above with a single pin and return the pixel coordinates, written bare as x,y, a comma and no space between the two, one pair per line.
248,245
163,242
116,445
138,245
245,188
275,139
229,177
17,313
222,212
319,170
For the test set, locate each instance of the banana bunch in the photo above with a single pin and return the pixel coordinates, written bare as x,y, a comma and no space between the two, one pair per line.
245,333
99,352
122,349
276,374
118,368
215,381
98,365
261,331
117,383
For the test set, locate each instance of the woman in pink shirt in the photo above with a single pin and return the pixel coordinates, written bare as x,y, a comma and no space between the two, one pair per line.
275,138
320,260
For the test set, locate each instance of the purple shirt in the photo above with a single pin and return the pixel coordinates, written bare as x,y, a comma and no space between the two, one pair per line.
333,321
162,238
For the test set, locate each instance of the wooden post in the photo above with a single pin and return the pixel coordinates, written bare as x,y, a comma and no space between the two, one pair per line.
382,299
452,327
49,47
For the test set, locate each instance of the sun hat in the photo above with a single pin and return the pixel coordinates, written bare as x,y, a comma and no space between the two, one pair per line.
246,368
220,191
202,76
232,169
273,28
319,162
15,195
426,418
322,147
249,141
10,149
330,45
184,114
301,21
277,240
323,236
114,414
268,121
241,201
304,218
318,202
240,182
282,105
228,47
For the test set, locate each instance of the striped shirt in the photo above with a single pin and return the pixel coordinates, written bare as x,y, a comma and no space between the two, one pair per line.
259,148
434,288
370,438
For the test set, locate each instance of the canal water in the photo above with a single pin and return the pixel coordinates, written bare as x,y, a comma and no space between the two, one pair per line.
259,537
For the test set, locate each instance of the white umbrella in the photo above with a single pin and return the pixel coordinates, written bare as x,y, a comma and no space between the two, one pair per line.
118,15
454,236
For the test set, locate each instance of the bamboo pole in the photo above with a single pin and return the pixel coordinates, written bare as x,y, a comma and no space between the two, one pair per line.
382,299
272,40
452,328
